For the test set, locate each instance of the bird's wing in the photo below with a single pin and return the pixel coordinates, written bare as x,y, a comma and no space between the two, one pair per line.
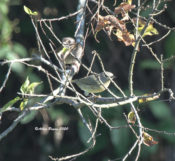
91,81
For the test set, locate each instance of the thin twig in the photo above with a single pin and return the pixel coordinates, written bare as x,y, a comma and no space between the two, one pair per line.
156,41
39,39
63,17
162,73
6,78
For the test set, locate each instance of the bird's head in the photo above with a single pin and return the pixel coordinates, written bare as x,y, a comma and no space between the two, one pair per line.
68,42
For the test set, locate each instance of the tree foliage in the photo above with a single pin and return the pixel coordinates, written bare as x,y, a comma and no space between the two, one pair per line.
124,38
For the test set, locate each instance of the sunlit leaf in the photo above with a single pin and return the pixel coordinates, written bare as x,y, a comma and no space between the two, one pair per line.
129,1
30,12
148,97
125,37
149,31
23,104
3,8
131,117
24,86
148,140
32,86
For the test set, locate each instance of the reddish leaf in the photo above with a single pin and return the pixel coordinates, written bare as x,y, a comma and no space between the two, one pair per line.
102,23
148,140
123,9
125,37
118,24
109,22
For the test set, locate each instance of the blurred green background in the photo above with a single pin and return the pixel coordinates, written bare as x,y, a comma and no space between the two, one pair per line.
17,40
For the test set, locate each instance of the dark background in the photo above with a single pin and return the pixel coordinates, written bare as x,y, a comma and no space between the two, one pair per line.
17,40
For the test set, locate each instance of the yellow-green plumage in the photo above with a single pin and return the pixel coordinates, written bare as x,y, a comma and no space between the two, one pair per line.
94,83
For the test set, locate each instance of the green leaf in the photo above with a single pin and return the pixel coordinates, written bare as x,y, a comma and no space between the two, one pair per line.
20,50
7,52
32,86
149,64
120,137
152,64
10,103
29,117
6,31
11,52
4,50
3,8
146,12
14,2
30,12
18,68
84,133
23,104
28,88
148,151
169,45
24,86
129,2
102,142
160,110
56,113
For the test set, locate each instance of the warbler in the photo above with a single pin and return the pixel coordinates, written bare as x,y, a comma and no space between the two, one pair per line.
66,54
94,83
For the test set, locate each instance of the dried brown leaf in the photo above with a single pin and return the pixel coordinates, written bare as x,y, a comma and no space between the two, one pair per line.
127,38
123,9
148,140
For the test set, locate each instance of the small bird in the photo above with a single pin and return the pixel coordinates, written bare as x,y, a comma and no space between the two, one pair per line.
66,53
94,83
